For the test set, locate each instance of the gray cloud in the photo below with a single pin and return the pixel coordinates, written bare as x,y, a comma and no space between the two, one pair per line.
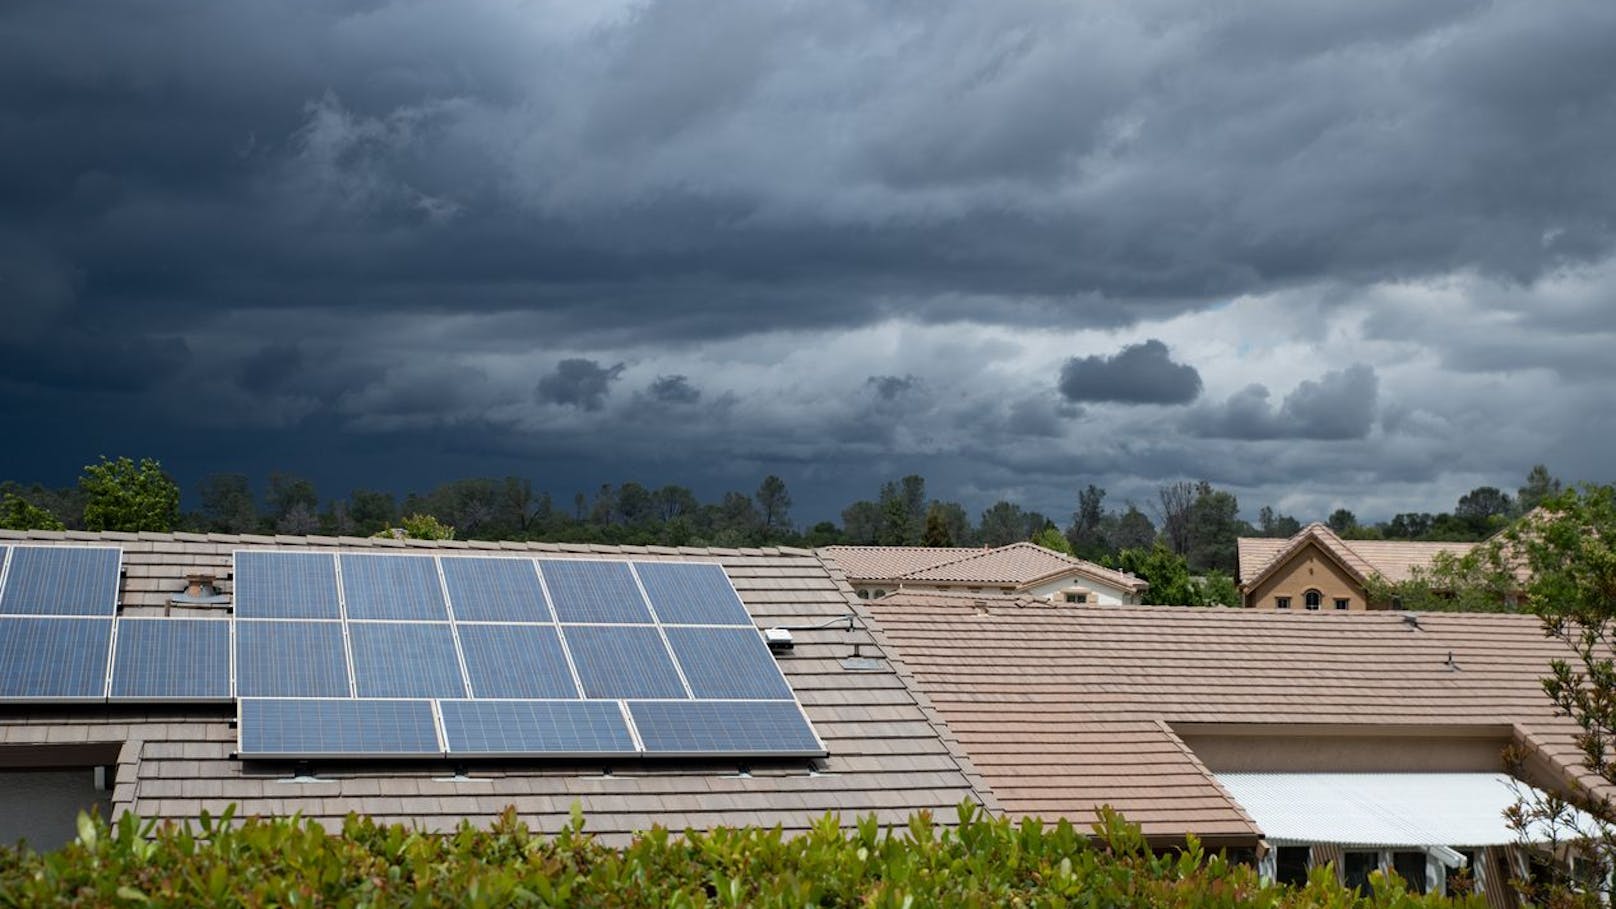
1338,405
889,388
674,390
579,382
1138,374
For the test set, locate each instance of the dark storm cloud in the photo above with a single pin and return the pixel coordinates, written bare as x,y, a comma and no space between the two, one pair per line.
1138,374
1337,405
374,217
889,388
580,383
674,390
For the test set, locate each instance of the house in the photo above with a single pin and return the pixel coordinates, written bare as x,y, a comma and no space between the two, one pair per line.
882,750
1316,570
1367,739
1019,568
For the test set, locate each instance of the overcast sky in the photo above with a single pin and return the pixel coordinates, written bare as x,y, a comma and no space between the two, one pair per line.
1355,253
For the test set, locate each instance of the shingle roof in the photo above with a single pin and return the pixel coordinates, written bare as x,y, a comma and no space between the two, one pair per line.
1019,564
888,753
1391,559
1063,708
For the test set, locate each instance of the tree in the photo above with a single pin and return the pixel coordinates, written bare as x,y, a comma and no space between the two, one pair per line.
228,505
1052,539
956,525
1540,485
1273,524
371,511
1084,532
937,530
861,522
123,495
1165,571
1133,531
1002,524
1218,589
17,513
1342,521
1409,525
421,527
1176,499
635,505
1214,526
774,505
1484,509
286,494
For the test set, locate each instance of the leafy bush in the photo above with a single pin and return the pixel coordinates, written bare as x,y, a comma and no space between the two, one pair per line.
981,862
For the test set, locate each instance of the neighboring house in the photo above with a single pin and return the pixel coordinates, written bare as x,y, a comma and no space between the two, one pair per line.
1316,570
1371,740
1019,568
172,759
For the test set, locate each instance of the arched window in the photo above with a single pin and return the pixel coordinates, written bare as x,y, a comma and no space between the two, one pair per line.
1312,599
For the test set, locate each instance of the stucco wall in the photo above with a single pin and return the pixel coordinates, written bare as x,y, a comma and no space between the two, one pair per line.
1309,569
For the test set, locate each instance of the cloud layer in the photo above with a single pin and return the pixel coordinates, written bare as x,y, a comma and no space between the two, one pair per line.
1019,246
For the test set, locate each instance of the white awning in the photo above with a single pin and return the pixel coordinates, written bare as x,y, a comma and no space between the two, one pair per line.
1378,809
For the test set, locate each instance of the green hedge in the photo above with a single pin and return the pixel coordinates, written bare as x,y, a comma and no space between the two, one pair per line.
980,862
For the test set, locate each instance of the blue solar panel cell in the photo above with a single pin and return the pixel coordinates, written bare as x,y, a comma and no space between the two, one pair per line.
516,661
576,728
495,590
728,663
686,593
290,660
172,659
55,659
594,591
405,660
288,728
61,580
750,728
392,587
286,585
616,661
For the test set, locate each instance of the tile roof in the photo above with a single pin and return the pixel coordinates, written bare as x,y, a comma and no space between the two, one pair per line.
1391,559
1021,564
1063,708
889,753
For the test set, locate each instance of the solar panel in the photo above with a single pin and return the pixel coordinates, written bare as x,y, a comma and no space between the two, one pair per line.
61,580
290,659
743,728
286,585
405,660
172,659
623,662
495,590
271,727
577,728
54,659
392,587
516,661
728,663
593,591
685,593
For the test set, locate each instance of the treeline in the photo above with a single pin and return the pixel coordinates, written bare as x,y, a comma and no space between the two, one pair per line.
1193,521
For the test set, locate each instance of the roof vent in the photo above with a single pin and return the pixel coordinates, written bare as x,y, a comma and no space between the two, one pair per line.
858,662
779,640
200,590
1413,622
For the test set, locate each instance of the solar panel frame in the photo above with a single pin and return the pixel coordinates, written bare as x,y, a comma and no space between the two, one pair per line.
593,591
725,663
301,645
393,660
489,727
692,593
184,686
68,581
67,658
319,598
392,587
517,661
475,597
665,728
623,661
334,728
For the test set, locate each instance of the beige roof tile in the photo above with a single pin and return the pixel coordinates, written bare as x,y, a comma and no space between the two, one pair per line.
1393,560
1018,564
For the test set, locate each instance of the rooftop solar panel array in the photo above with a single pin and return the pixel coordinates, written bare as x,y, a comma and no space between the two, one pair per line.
365,655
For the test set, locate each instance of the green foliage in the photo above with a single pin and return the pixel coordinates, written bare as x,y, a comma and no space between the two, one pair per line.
938,532
1478,581
425,527
1166,572
1052,539
1218,589
976,862
123,495
17,513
